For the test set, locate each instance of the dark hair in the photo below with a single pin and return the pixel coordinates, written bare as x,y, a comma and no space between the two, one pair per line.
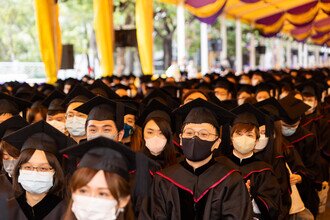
59,182
169,151
34,111
244,127
192,91
55,112
11,150
117,185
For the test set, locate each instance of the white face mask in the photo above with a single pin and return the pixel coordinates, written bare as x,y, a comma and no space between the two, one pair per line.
90,208
155,145
244,144
110,136
262,143
35,182
76,126
58,125
9,166
286,131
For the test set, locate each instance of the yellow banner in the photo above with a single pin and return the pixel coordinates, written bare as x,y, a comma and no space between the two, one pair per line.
103,25
49,34
144,28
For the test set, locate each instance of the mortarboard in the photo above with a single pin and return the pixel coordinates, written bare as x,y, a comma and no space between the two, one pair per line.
100,108
39,136
294,109
11,104
100,88
54,101
12,124
155,109
78,94
201,111
105,154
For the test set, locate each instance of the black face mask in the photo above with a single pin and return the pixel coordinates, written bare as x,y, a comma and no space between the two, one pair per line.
196,149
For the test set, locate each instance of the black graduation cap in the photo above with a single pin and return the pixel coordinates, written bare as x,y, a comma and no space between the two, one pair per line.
78,94
54,101
100,88
100,108
25,91
245,88
11,104
248,114
201,111
311,88
120,86
105,154
145,78
40,136
12,124
173,90
134,105
272,107
155,109
225,84
46,88
162,97
263,87
294,109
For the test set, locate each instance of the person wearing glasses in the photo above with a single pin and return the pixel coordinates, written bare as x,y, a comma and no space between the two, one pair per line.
199,187
38,179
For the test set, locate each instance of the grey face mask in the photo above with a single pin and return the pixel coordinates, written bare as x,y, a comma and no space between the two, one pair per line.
9,166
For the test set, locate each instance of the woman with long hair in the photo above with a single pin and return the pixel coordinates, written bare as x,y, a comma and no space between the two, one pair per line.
38,179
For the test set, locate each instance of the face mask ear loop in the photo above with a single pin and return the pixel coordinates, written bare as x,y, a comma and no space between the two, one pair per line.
120,210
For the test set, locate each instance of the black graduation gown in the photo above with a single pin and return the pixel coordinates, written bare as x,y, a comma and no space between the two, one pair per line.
305,144
6,192
277,161
301,154
49,208
6,189
319,126
265,189
212,191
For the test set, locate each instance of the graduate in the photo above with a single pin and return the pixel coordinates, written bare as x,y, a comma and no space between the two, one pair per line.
269,149
314,121
157,135
131,136
11,106
38,179
55,111
301,147
198,187
104,176
258,175
8,155
75,121
105,118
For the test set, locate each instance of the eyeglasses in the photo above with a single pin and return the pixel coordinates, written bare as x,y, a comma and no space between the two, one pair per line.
202,134
38,169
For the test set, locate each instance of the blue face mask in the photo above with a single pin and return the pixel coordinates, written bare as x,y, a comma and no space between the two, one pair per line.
288,131
128,130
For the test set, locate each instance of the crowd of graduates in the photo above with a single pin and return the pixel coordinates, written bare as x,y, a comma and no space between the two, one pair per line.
253,146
